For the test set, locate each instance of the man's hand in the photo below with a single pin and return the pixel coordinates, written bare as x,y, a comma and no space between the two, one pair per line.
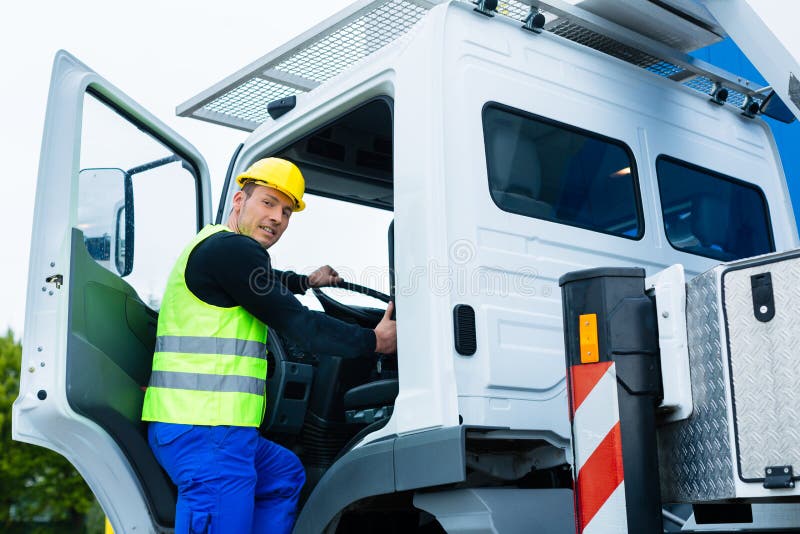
323,277
386,333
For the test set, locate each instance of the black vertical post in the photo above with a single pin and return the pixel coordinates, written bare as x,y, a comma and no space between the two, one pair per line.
627,334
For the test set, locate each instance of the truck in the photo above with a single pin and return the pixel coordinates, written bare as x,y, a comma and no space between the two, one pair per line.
508,144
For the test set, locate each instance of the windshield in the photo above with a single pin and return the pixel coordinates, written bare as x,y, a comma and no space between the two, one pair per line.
351,238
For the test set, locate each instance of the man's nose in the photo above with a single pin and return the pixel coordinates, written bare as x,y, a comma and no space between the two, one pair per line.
276,215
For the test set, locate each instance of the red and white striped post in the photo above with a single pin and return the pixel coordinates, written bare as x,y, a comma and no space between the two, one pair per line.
614,385
597,446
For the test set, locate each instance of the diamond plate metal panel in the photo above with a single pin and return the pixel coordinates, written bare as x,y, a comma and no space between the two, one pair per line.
694,455
764,367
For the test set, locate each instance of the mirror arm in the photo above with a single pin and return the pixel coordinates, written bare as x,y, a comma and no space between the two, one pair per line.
129,226
155,164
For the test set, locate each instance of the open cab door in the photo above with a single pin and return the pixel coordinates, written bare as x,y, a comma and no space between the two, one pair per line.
119,195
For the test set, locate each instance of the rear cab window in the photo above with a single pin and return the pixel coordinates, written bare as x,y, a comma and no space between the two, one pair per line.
709,214
548,170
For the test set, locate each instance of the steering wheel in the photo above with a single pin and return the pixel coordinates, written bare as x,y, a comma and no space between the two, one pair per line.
364,316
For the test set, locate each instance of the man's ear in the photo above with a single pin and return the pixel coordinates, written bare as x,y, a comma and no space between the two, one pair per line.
238,200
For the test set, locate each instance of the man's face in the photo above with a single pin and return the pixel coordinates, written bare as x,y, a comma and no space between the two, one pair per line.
264,215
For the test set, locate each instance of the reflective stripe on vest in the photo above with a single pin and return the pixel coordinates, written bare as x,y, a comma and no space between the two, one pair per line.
211,345
210,362
204,382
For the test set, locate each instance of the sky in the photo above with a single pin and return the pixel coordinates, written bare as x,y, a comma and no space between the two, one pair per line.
160,54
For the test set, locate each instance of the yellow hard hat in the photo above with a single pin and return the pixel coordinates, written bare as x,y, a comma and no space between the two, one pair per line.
278,174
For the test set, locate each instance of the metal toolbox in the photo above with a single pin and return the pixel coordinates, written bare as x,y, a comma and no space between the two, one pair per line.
742,439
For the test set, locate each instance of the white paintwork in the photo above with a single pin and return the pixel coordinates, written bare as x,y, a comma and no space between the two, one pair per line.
669,288
448,232
52,423
513,382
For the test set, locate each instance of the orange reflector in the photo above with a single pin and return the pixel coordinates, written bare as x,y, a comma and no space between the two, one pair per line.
588,333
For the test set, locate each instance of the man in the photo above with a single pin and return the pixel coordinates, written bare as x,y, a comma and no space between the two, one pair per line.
205,399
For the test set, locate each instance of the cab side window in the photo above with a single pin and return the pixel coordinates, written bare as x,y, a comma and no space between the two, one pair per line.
552,171
710,214
137,199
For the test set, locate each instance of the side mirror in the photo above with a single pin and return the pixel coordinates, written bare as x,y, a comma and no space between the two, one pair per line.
773,107
105,216
123,231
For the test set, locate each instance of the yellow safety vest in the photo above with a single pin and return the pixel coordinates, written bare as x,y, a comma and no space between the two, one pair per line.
210,363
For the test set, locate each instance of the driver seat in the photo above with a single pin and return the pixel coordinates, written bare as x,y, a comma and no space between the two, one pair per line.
370,402
374,401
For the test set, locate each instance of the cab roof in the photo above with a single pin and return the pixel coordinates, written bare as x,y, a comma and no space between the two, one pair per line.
653,35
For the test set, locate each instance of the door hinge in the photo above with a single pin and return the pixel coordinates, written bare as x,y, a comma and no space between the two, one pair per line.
779,477
56,279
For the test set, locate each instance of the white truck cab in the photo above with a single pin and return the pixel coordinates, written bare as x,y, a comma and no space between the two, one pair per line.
507,153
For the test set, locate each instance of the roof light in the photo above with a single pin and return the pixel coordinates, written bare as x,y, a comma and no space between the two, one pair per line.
534,22
486,7
282,106
751,107
718,94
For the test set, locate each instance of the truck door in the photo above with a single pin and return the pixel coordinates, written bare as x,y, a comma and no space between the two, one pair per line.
118,196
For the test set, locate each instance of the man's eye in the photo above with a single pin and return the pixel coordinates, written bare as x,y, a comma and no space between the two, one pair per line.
268,203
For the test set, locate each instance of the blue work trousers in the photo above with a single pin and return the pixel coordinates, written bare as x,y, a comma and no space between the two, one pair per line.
230,479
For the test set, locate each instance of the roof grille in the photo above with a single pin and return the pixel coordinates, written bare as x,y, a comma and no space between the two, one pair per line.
579,34
511,9
240,101
689,77
352,35
248,101
334,53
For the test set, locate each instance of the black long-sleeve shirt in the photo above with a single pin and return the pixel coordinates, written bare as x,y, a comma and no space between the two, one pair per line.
229,269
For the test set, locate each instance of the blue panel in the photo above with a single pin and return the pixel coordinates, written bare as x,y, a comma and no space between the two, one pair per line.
787,136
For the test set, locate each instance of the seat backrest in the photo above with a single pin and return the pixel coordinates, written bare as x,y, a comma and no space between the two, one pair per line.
517,171
710,219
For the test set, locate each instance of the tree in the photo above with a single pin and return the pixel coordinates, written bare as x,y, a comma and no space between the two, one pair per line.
37,486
